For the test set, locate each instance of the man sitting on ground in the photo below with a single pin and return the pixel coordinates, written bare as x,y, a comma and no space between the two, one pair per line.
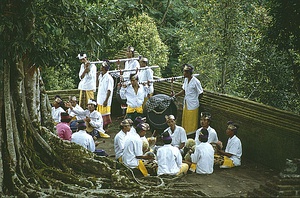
82,138
169,158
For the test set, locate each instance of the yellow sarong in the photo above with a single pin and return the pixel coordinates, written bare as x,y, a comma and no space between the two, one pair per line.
84,97
104,110
183,169
190,119
228,162
142,168
134,109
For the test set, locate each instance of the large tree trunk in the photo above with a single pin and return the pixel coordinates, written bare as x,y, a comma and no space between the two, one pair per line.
33,157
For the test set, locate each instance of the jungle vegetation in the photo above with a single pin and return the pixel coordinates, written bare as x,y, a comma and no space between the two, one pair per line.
245,48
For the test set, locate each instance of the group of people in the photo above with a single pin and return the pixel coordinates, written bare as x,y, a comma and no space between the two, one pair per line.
96,113
178,155
90,119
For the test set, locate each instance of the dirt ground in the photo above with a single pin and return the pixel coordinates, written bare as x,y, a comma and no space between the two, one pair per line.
235,182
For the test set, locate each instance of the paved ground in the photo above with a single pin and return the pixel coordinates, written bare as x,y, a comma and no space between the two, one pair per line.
235,182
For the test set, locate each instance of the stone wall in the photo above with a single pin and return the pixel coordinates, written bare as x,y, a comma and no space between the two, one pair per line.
269,136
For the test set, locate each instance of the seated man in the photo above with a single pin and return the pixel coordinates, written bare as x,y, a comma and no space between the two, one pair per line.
204,154
176,132
82,138
169,158
205,119
120,139
56,110
73,102
233,151
133,150
93,119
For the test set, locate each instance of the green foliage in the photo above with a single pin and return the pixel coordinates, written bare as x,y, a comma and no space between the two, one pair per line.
58,79
142,33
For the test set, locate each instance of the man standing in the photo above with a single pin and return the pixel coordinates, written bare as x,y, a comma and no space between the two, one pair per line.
193,92
87,84
105,93
130,64
134,94
146,75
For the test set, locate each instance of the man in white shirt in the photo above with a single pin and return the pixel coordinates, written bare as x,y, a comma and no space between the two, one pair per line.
205,119
133,150
233,151
134,94
119,139
130,64
146,75
73,101
93,119
105,93
176,132
82,138
193,92
169,158
87,84
56,110
204,154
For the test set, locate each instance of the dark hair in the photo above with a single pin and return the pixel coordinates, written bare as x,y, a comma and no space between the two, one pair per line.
81,125
131,49
203,136
136,78
165,136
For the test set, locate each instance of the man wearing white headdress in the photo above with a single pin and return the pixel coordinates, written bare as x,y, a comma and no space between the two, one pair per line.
93,120
87,84
130,64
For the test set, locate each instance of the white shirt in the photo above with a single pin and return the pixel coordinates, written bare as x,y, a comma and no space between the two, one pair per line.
83,139
134,99
146,75
119,141
133,147
192,90
95,116
169,160
55,113
106,83
88,82
204,158
133,132
178,137
76,108
132,64
234,147
212,135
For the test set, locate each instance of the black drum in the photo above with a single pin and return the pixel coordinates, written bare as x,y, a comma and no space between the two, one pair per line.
156,108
